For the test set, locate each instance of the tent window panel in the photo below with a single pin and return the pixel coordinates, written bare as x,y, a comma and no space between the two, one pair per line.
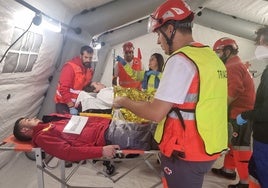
23,54
37,43
10,63
17,32
31,62
22,63
27,42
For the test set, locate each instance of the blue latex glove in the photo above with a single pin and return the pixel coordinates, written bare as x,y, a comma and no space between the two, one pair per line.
152,72
240,120
73,111
121,60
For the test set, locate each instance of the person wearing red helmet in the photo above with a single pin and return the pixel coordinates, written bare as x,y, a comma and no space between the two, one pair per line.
241,97
190,102
124,79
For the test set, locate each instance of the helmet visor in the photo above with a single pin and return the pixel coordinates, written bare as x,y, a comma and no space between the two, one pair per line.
153,24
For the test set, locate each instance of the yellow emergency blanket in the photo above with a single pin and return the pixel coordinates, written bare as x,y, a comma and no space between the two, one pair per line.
136,95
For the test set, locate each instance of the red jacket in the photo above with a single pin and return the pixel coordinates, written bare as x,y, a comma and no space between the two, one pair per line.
240,87
74,76
72,147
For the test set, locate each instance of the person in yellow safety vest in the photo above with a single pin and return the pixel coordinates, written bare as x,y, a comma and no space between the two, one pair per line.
150,78
190,102
119,72
74,76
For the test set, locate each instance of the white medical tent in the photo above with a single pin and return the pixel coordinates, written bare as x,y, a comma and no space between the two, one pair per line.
30,63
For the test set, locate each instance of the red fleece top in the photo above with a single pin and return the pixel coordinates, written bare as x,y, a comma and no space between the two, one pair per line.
72,147
67,77
240,87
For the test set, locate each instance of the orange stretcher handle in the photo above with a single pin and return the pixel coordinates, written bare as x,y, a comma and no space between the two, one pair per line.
18,145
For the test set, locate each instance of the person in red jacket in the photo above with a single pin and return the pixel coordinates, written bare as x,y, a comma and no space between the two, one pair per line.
241,97
124,79
74,76
48,134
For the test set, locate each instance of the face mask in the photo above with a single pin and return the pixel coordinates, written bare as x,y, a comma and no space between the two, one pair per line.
261,52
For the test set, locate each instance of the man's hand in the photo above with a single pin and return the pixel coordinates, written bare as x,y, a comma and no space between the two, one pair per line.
109,151
73,111
121,60
119,101
240,120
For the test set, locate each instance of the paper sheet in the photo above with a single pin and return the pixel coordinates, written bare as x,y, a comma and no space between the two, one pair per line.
75,125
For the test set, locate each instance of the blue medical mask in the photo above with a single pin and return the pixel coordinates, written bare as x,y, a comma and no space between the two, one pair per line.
261,52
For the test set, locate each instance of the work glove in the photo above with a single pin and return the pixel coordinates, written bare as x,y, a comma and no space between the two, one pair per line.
121,60
73,111
152,72
240,120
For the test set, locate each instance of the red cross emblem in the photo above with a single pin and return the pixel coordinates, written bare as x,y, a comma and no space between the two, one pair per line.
167,170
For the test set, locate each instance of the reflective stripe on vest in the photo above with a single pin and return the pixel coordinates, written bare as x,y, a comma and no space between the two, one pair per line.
210,107
253,182
190,98
242,148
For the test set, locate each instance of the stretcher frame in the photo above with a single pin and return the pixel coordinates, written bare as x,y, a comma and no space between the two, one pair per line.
15,145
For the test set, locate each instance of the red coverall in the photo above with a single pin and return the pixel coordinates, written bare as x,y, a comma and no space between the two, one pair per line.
72,147
241,88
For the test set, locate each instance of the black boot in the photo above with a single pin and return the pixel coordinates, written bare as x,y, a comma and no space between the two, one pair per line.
68,164
239,185
220,172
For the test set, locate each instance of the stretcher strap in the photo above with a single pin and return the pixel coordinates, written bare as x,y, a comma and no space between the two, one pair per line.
109,116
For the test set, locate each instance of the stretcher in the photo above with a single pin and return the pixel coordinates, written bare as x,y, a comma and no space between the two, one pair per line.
10,143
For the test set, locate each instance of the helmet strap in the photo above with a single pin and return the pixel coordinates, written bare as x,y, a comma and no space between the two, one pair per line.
224,57
169,40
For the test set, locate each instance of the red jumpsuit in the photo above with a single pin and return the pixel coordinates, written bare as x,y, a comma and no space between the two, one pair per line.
241,88
72,147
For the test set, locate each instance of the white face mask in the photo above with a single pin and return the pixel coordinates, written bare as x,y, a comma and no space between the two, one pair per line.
261,52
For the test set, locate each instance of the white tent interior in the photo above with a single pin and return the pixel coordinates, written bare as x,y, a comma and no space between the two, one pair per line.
30,69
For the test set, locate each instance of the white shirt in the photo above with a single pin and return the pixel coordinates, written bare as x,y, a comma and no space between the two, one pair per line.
176,80
102,100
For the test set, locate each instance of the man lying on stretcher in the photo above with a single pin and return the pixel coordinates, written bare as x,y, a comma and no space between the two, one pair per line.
48,134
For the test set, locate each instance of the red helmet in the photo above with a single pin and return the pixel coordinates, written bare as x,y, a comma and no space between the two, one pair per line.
170,10
223,42
128,47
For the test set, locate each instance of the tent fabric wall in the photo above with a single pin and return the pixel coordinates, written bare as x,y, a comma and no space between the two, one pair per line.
22,94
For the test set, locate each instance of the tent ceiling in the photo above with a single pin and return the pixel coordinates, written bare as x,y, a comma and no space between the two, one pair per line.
78,6
251,10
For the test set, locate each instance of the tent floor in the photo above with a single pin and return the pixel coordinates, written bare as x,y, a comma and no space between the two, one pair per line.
16,170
